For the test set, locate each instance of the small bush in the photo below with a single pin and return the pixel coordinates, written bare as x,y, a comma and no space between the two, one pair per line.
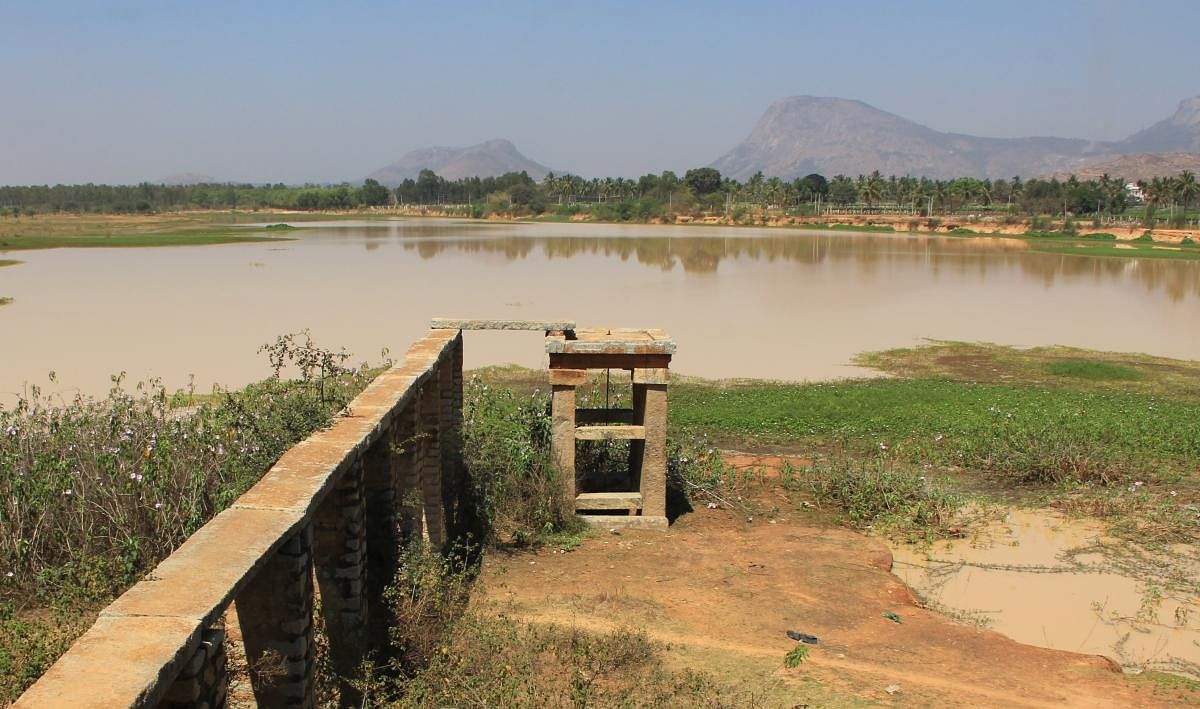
516,492
1099,236
962,230
933,223
877,491
494,662
1040,222
1145,238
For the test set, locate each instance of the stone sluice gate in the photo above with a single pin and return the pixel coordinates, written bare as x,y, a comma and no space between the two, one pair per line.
333,513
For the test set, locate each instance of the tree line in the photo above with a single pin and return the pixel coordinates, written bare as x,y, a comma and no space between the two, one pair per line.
651,195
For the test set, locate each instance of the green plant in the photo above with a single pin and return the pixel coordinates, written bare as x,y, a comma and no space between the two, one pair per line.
796,656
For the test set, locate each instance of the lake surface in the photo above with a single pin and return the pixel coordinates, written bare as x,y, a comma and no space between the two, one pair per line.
740,302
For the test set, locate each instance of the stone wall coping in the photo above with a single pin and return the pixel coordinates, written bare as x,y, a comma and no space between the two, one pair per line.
132,652
118,662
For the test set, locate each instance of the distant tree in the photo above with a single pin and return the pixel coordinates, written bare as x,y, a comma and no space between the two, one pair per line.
842,190
813,184
1186,188
703,180
373,194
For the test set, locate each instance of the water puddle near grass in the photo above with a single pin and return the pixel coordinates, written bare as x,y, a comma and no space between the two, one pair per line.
1039,579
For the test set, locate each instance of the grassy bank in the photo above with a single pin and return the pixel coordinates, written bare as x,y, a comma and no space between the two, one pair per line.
50,231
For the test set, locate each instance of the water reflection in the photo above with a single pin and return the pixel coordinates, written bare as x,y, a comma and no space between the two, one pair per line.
702,254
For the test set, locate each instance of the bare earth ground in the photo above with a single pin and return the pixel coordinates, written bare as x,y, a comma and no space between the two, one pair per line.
721,593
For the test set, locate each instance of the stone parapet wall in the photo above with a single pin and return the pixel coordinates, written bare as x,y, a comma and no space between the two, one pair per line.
328,516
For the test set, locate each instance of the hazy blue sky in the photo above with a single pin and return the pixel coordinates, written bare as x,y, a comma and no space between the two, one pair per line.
295,91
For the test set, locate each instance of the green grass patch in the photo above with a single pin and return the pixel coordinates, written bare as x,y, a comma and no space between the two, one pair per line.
5,301
192,237
8,262
1140,250
962,230
863,227
1092,369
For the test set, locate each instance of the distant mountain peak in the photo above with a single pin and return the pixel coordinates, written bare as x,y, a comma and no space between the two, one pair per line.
1188,113
798,135
186,178
490,158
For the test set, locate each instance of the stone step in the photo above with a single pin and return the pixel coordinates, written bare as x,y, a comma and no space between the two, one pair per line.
625,521
608,501
610,433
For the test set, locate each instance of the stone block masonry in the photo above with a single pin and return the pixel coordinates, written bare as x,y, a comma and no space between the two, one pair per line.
326,518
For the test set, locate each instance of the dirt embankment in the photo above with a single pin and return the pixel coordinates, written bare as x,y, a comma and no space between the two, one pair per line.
721,592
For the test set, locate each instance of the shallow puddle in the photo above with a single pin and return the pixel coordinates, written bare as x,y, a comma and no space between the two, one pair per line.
1038,578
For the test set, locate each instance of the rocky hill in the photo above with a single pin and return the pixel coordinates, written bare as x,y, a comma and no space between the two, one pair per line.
804,134
490,159
1140,166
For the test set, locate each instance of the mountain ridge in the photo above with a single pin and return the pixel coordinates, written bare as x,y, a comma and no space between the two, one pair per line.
798,135
490,158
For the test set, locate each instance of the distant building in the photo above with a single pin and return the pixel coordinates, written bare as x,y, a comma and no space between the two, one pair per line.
1135,192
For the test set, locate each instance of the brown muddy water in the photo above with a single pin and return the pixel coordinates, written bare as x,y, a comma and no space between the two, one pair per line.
741,302
1046,580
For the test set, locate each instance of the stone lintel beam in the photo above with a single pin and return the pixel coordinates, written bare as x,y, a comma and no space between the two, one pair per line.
652,376
568,377
610,433
609,361
587,417
486,324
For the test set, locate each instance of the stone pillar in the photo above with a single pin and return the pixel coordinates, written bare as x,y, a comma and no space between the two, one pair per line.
430,461
637,447
340,557
654,452
449,426
203,681
380,488
275,614
407,471
562,437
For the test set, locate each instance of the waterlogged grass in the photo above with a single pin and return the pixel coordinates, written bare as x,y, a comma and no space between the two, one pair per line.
942,420
1050,367
1092,369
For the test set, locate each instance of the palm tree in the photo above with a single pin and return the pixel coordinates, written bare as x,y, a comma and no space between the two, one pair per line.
1185,188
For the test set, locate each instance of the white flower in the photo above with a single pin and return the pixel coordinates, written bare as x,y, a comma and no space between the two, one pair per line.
67,492
158,505
1172,493
10,574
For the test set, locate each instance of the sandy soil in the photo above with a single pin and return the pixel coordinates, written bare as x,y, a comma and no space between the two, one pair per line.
721,592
